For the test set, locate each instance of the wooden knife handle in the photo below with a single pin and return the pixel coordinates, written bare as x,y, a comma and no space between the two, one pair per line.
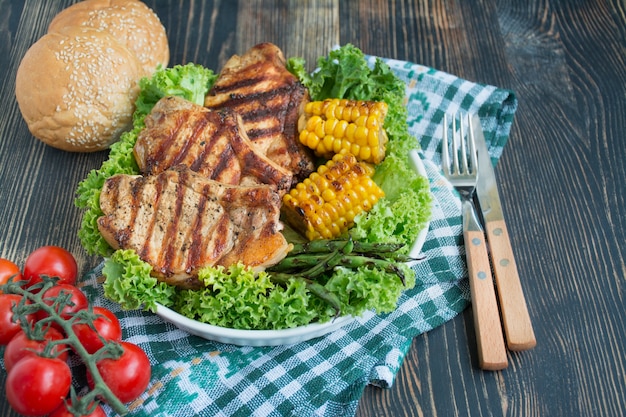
516,320
490,340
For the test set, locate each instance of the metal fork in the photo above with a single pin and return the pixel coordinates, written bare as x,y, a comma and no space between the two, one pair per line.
462,172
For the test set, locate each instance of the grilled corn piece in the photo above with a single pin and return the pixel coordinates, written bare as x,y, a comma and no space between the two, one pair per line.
356,126
324,205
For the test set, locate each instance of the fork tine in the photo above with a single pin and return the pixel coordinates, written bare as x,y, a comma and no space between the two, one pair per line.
472,145
455,148
445,156
464,167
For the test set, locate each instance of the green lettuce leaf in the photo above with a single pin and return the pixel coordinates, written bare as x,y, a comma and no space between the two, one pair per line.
397,221
190,81
128,282
368,288
237,297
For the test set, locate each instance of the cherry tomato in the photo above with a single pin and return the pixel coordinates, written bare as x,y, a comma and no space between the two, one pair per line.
127,376
78,298
36,386
21,347
8,328
62,411
52,261
7,270
107,326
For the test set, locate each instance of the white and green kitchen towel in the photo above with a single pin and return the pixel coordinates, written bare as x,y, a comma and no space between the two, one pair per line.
326,376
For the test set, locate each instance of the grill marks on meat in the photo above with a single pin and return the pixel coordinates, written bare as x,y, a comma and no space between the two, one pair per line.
213,177
270,99
179,221
212,143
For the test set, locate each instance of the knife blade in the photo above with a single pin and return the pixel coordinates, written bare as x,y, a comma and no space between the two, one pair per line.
515,318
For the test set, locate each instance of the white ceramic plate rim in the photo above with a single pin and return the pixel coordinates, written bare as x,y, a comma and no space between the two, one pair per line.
276,337
250,337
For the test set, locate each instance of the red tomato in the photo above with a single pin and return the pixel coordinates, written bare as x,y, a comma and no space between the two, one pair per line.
7,270
36,386
107,326
52,261
127,376
63,412
78,298
8,328
21,347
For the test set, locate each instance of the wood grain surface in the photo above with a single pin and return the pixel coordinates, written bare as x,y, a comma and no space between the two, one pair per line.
562,175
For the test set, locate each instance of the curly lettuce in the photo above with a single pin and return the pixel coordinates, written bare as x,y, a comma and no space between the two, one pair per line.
238,298
129,283
369,288
191,82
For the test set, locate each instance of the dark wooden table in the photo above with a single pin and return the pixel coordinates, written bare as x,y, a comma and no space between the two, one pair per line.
562,175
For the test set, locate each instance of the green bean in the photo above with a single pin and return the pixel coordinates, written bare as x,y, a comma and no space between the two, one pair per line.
328,262
307,261
329,245
297,263
321,263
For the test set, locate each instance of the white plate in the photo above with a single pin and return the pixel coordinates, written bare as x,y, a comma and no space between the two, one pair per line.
275,337
418,164
251,337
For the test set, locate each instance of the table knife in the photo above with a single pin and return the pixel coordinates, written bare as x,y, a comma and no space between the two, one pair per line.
516,321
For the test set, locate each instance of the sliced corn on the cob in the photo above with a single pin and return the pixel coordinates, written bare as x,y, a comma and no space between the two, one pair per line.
324,205
356,126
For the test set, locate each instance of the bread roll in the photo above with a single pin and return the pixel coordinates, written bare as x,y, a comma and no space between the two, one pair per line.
76,88
131,22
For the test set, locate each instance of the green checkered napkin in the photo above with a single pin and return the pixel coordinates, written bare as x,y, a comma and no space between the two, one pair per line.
326,376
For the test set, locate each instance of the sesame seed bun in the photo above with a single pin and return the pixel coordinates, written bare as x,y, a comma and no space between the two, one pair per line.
131,22
76,89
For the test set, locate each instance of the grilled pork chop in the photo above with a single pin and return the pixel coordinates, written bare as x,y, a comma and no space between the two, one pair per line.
212,143
179,221
270,99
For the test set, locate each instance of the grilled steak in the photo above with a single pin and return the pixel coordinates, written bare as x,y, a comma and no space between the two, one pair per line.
179,221
270,99
212,143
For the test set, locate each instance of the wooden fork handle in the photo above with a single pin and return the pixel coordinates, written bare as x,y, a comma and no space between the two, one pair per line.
515,317
490,340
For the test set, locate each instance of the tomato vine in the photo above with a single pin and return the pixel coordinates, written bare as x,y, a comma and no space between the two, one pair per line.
55,306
